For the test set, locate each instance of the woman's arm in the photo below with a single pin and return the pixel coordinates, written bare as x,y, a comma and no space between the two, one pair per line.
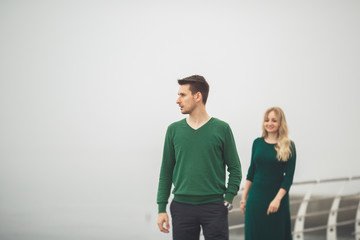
244,196
286,184
249,179
275,203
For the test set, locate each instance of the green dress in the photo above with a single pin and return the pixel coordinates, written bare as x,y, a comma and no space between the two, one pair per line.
268,175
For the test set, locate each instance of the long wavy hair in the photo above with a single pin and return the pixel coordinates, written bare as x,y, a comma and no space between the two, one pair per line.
283,145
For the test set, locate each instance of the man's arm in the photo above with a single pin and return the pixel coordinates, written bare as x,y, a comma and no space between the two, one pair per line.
165,181
233,164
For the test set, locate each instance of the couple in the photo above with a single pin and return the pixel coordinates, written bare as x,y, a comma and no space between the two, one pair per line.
197,151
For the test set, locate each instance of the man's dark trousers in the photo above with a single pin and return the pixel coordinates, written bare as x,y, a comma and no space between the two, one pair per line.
187,219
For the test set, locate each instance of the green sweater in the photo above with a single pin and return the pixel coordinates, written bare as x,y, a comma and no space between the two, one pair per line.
195,161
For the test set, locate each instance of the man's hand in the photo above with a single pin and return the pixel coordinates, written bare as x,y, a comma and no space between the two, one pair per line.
227,203
163,217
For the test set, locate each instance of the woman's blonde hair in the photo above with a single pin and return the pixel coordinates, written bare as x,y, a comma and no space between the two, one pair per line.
283,145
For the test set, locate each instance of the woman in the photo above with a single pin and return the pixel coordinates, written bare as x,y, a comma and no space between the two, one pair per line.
268,181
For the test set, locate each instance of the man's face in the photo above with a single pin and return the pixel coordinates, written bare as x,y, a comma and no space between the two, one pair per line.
186,100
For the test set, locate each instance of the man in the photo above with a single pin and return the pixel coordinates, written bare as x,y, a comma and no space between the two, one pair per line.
196,152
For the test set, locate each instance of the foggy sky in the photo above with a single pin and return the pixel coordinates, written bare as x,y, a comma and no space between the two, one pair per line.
88,88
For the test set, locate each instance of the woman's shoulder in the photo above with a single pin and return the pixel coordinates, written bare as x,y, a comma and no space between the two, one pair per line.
292,145
258,140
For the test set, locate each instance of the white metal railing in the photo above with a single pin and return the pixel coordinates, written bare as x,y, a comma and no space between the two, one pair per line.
332,223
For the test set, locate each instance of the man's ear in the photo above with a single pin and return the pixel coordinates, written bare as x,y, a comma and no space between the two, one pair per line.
198,97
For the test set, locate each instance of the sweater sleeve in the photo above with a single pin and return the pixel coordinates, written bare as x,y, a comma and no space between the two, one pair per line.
233,166
166,172
289,169
251,170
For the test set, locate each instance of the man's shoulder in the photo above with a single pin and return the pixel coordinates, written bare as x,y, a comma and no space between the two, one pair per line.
220,123
176,124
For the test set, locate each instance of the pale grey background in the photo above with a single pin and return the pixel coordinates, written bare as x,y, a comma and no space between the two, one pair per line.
87,89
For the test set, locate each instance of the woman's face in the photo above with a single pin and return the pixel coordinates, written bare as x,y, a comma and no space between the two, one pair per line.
271,123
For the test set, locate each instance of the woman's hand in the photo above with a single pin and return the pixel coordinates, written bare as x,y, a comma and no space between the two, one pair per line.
242,206
274,206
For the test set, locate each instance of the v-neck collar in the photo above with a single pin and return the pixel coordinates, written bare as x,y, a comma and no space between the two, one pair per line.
208,121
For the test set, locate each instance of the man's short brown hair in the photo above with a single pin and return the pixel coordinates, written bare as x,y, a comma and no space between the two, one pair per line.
197,84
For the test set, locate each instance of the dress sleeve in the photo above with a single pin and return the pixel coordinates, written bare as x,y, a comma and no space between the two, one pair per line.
252,168
289,169
166,172
233,166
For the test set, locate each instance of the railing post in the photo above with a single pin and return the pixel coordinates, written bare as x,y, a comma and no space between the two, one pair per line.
357,223
331,226
300,219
